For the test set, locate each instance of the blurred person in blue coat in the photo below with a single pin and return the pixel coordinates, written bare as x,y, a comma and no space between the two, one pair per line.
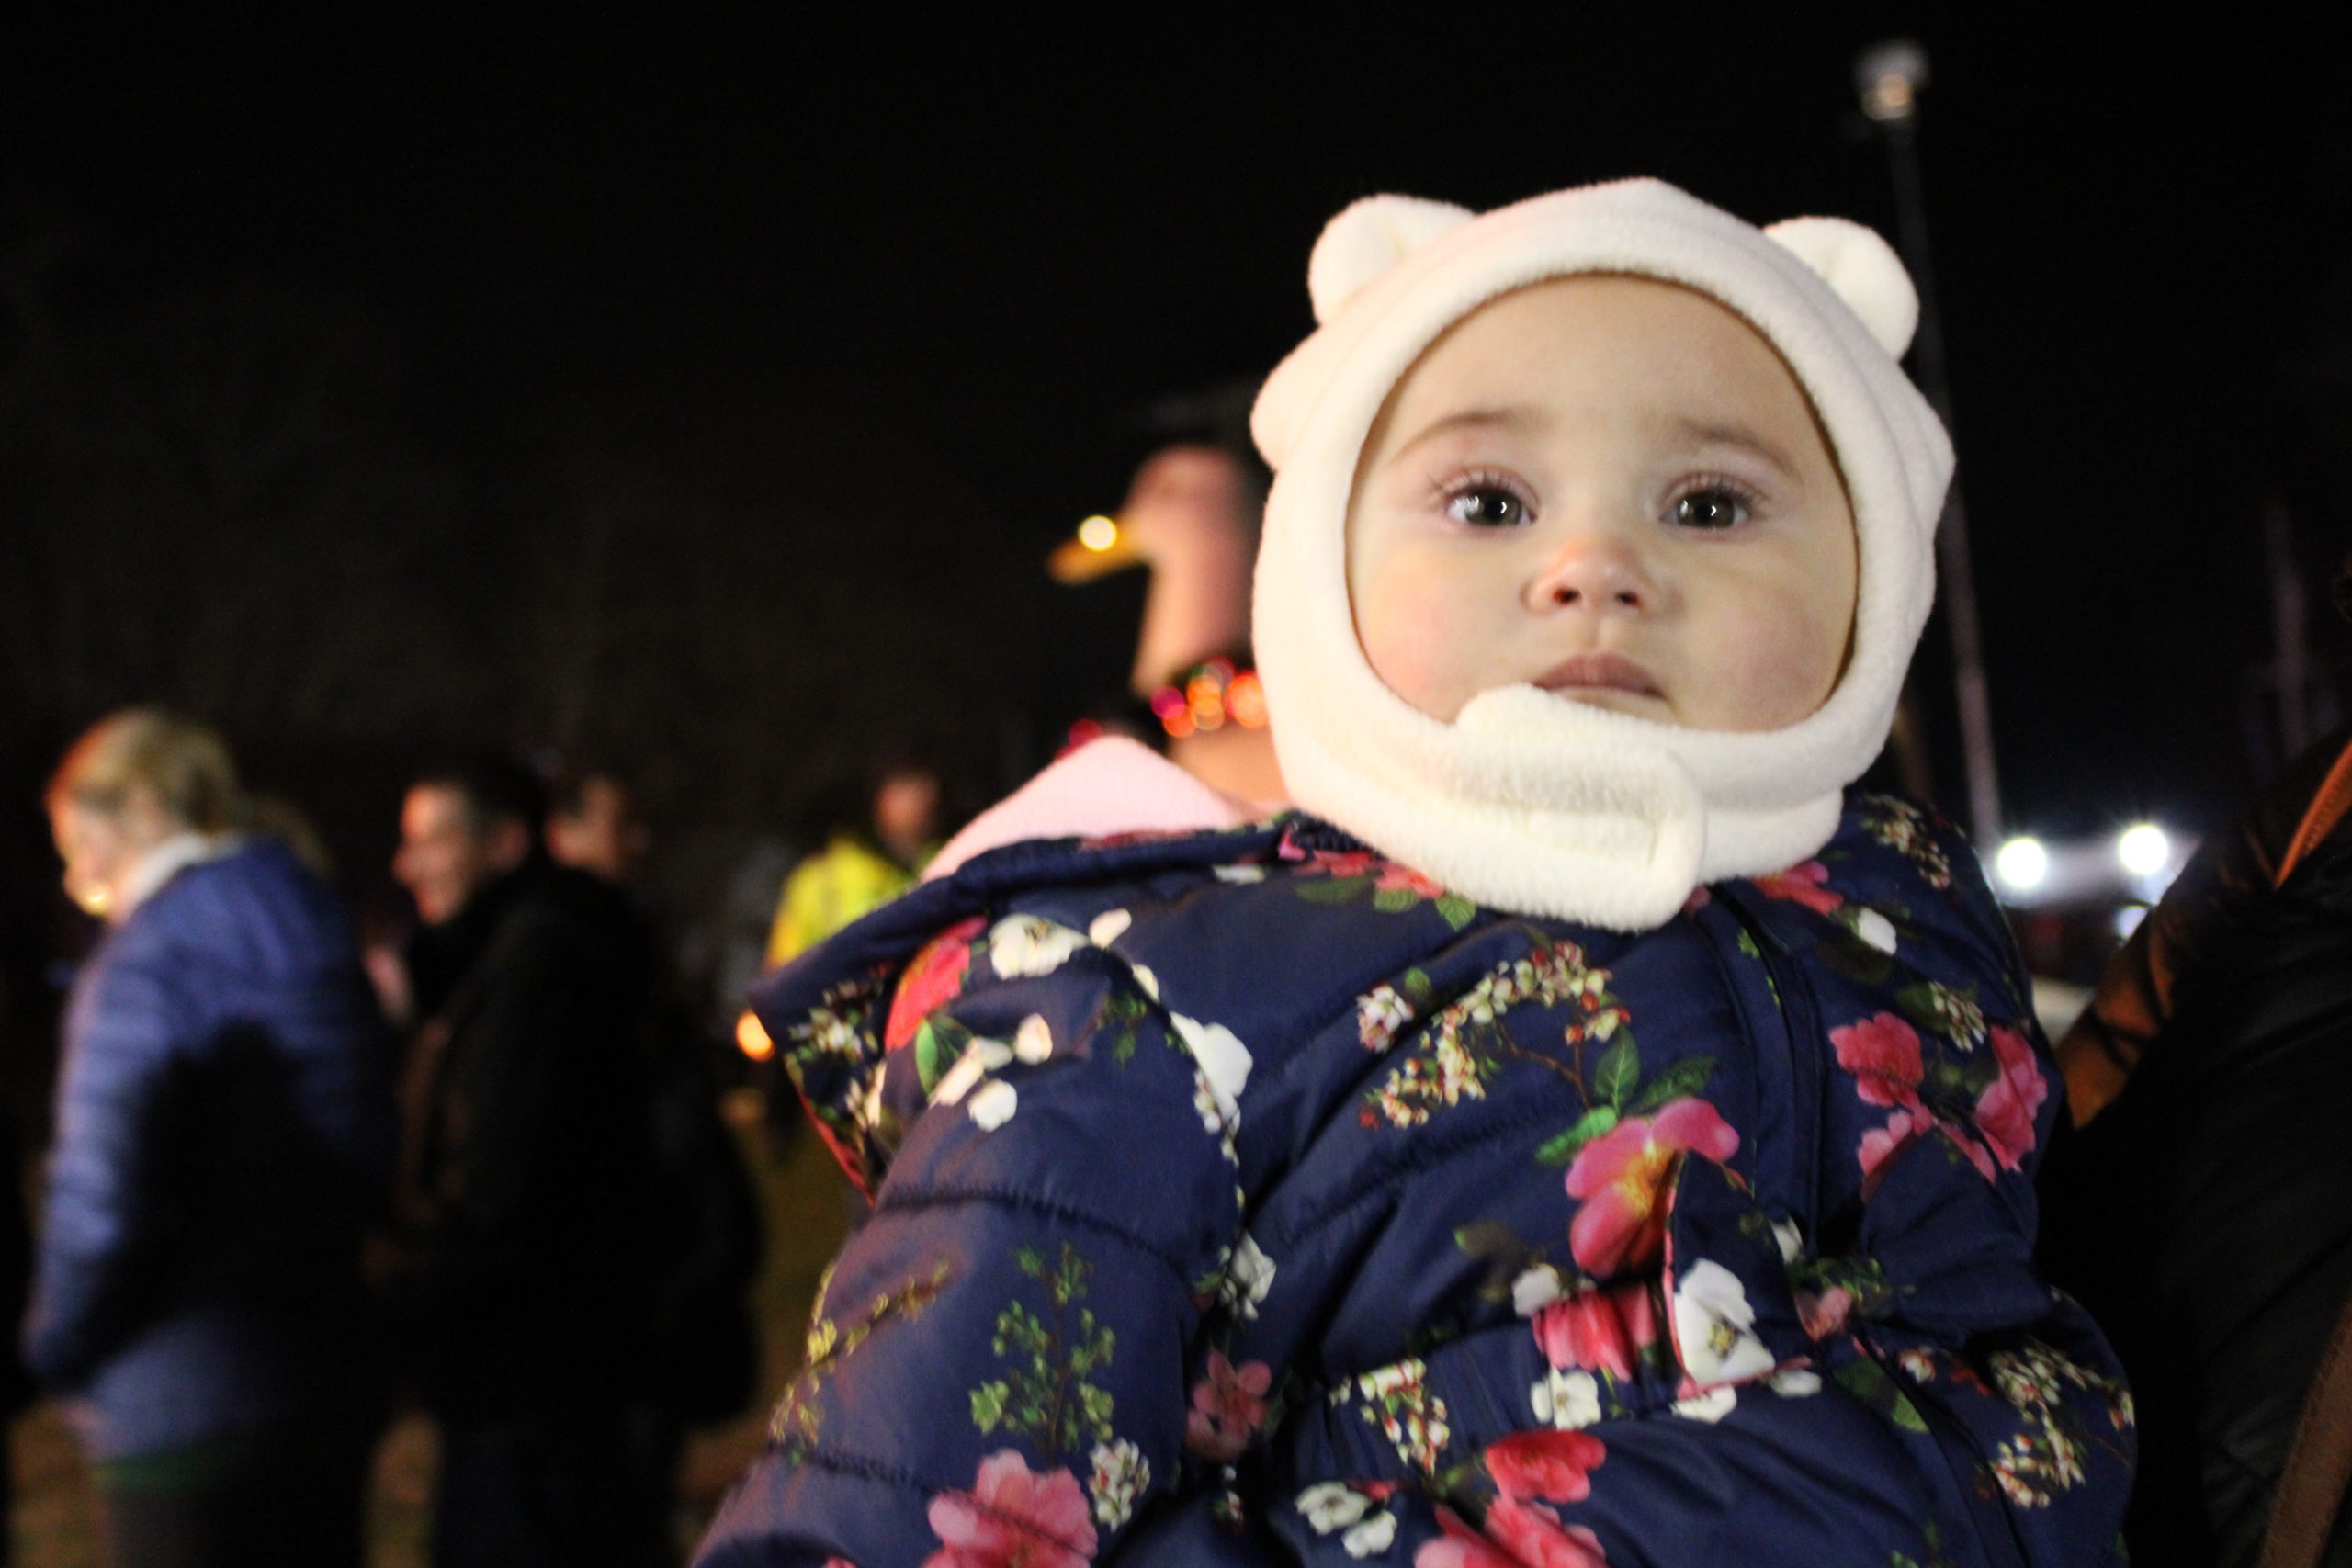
224,1135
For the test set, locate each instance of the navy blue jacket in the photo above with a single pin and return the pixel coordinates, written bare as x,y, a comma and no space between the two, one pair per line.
224,1133
1246,1198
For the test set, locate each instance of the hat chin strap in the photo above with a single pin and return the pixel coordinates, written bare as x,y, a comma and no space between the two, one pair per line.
1531,803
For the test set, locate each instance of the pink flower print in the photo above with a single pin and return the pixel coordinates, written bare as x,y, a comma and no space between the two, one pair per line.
2005,1112
1534,1536
1806,884
1881,1144
1337,862
1597,1330
1824,1313
1556,1466
1228,1406
931,981
1883,1053
1389,876
1519,1535
1622,1178
1014,1518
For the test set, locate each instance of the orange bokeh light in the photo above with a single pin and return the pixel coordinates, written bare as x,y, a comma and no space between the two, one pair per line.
752,1037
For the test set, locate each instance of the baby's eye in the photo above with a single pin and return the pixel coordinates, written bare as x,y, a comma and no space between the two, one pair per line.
1487,506
1711,507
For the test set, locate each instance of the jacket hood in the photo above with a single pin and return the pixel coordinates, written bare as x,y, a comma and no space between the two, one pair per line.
1527,801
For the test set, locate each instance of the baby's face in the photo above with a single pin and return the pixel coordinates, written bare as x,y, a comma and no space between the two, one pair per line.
1612,489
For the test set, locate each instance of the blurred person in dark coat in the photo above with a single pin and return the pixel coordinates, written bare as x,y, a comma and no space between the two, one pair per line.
223,1137
520,1273
707,1235
593,823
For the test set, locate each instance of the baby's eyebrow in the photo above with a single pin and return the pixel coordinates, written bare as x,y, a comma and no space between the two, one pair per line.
1516,418
1747,440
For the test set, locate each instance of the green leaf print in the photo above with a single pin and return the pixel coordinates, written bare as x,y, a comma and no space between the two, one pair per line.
1455,910
1620,1070
939,1040
1676,1081
831,1339
1333,890
1870,1383
1853,958
1561,1149
988,1405
1121,1014
1044,1393
1395,901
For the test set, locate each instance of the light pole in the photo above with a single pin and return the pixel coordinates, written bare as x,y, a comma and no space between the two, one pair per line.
1889,76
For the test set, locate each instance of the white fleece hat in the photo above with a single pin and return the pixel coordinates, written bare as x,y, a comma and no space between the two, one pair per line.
1528,801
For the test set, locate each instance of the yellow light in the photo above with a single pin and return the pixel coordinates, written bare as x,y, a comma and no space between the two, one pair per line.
1097,534
754,1038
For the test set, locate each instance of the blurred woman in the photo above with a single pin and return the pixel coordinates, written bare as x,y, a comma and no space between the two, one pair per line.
224,1133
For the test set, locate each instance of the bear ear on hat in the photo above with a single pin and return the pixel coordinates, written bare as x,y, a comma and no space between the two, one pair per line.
1863,271
1368,237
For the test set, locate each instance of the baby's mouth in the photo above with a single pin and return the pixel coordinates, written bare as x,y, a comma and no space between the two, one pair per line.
1599,672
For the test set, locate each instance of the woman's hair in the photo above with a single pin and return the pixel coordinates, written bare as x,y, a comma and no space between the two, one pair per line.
186,764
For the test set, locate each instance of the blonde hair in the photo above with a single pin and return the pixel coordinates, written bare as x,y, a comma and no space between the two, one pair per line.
186,764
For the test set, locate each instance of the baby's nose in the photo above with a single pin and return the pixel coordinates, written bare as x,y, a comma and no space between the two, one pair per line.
1596,573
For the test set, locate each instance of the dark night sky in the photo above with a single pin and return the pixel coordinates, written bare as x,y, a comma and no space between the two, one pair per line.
976,248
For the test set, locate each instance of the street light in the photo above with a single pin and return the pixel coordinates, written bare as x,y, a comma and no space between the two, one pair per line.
1888,76
2143,849
2021,865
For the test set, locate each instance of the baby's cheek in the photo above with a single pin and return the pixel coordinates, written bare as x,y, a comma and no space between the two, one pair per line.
1410,644
1776,671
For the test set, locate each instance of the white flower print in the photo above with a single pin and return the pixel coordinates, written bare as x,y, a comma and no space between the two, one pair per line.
1380,1013
1332,1505
994,1105
1223,1062
1874,929
865,1105
1034,1041
1108,926
1378,1533
1329,1505
1713,1324
1145,981
1534,1290
1248,1278
1711,1406
1022,945
1241,874
1121,1473
1566,1401
1790,1239
1796,1383
981,1057
1204,1101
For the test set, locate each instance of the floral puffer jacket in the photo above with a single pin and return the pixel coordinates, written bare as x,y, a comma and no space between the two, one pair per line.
1244,1198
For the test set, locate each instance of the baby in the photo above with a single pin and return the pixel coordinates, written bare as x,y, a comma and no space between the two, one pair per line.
1587,1132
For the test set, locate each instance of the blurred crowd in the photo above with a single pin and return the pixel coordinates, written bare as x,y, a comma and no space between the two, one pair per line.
473,1158
478,1166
